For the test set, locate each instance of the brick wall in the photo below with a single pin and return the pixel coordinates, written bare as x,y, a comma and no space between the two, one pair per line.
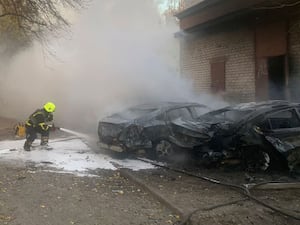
237,47
294,59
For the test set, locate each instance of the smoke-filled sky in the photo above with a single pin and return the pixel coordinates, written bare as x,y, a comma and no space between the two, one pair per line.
120,53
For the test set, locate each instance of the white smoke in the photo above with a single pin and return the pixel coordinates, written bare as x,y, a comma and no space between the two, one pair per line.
120,54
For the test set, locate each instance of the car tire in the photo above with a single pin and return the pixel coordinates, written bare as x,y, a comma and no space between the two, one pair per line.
163,150
256,159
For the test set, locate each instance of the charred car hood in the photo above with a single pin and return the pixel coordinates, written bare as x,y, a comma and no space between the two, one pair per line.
208,127
121,119
193,125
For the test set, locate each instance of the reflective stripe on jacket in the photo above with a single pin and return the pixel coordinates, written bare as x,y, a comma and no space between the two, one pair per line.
39,118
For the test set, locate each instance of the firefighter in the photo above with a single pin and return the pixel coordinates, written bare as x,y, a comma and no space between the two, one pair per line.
38,123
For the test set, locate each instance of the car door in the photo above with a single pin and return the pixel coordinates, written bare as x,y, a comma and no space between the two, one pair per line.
282,129
177,114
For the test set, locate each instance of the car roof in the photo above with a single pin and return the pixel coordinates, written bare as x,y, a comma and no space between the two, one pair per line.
265,105
254,109
154,109
258,108
165,105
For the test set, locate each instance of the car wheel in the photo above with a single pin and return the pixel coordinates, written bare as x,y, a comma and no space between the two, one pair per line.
163,150
264,162
258,161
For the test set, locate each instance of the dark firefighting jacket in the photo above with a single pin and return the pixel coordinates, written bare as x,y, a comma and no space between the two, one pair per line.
40,118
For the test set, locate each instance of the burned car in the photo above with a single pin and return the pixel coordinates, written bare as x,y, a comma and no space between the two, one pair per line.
258,136
148,128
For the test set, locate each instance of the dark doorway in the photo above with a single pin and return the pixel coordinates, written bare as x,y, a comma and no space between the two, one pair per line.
276,71
271,67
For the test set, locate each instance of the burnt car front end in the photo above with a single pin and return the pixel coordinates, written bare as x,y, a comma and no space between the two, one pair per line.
109,134
189,134
217,137
256,136
126,131
122,137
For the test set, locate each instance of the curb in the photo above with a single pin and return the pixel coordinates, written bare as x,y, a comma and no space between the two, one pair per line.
152,191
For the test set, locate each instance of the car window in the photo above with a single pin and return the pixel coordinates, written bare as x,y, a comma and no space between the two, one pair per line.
179,113
198,111
281,120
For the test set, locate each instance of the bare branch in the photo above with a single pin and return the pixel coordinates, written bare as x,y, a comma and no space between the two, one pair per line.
24,17
36,18
174,6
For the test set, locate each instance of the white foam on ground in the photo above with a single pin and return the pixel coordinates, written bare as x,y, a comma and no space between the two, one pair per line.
68,155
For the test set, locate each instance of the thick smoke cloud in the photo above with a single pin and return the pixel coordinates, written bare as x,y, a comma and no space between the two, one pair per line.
120,54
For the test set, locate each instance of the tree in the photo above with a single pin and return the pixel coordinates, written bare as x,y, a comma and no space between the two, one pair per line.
174,6
22,21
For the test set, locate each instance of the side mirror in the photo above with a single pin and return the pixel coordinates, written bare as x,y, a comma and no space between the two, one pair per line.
258,130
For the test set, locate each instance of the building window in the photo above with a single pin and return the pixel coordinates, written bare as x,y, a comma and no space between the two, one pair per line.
217,71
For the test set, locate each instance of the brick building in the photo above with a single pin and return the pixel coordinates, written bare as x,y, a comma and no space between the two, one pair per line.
244,50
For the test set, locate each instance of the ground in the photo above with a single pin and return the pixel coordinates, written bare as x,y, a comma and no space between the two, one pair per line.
31,194
33,197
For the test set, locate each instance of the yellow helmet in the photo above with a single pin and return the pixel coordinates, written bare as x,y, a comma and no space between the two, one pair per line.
49,107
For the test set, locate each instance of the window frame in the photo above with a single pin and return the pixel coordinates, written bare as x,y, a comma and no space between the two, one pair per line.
269,116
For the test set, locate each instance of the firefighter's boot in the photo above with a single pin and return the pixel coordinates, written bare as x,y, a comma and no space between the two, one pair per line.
44,143
44,140
27,145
